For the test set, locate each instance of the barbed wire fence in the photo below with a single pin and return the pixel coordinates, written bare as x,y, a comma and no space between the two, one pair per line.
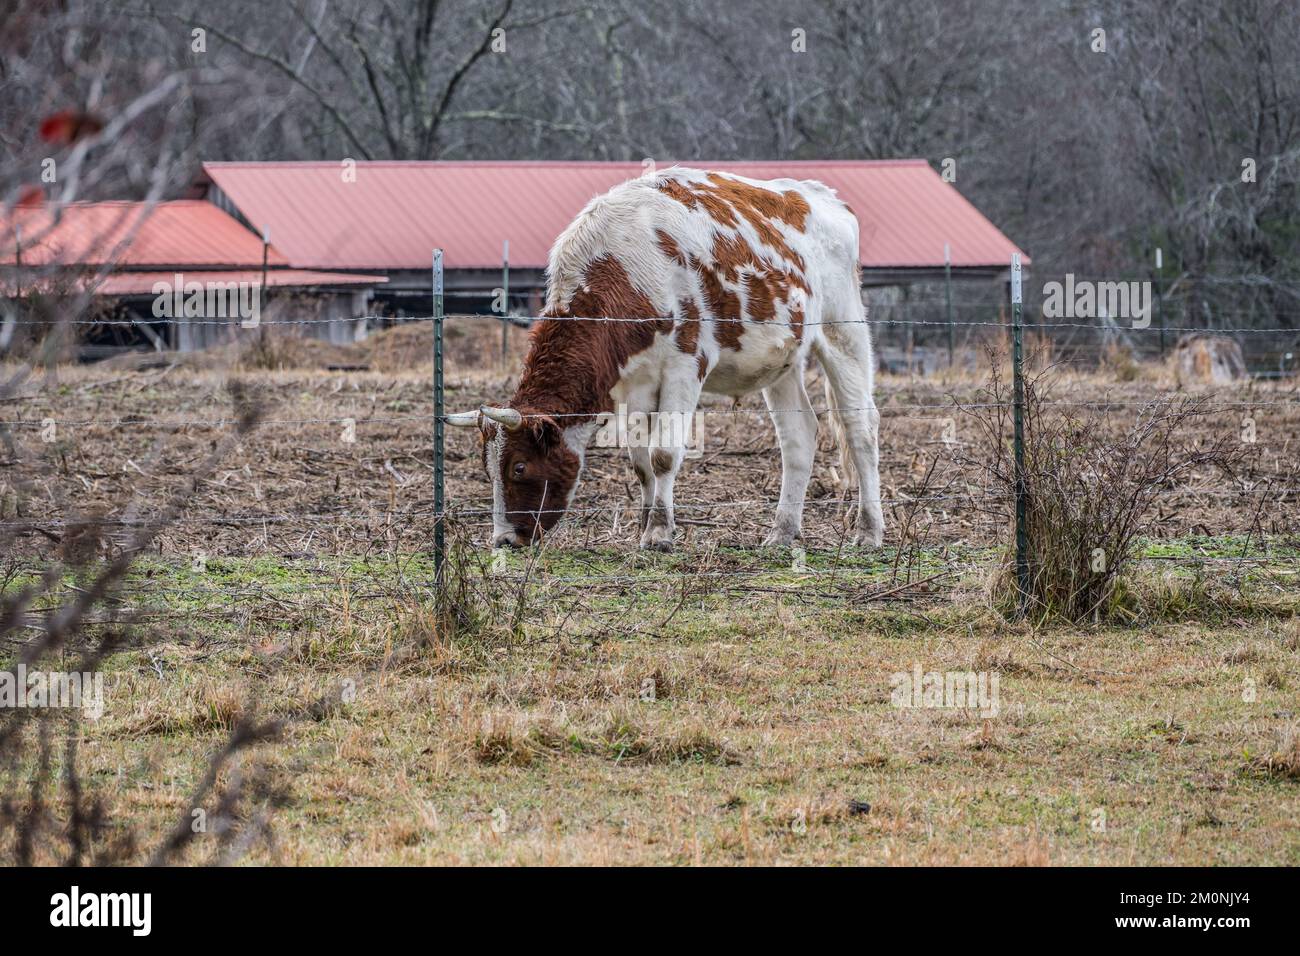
1256,495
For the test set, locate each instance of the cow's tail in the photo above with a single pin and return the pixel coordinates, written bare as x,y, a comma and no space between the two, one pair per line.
846,477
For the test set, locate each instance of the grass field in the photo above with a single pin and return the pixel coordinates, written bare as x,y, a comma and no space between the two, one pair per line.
720,705
738,723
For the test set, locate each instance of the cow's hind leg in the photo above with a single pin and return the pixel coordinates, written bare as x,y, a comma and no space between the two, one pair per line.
845,355
796,429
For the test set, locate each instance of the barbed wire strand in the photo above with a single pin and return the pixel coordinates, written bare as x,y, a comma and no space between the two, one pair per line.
236,321
884,408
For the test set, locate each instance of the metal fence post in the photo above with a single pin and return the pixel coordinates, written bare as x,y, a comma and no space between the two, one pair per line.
505,299
439,423
947,285
1018,412
261,293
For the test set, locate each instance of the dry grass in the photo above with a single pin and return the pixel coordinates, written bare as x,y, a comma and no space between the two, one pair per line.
724,742
1284,759
739,732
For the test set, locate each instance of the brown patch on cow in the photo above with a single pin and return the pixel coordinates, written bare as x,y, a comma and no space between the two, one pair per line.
607,290
765,284
688,328
698,195
662,460
678,190
704,366
582,359
761,206
761,293
796,322
670,248
790,207
728,200
731,253
723,305
772,237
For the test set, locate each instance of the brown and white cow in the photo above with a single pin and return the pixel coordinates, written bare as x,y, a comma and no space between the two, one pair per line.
733,283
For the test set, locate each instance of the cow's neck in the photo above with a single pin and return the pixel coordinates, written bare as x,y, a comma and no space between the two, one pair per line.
563,377
569,372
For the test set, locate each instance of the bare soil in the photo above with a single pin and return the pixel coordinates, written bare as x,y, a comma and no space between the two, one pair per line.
342,463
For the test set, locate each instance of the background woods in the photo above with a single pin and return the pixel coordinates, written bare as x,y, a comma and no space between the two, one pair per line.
1090,148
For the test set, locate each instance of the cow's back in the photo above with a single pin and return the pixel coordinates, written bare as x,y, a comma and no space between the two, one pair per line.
745,269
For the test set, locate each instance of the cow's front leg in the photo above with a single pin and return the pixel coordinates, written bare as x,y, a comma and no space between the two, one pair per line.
672,429
796,430
644,468
657,535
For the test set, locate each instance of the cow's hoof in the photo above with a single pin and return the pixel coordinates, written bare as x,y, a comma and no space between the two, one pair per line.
777,538
868,539
663,546
785,531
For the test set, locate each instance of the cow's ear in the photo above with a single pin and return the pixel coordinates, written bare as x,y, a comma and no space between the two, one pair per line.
546,431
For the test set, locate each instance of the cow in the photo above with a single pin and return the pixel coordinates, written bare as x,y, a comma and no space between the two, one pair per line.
679,282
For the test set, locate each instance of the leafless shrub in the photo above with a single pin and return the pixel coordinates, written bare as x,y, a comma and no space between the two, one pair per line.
1090,488
913,524
476,606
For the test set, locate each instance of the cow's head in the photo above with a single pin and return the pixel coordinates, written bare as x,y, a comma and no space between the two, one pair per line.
532,469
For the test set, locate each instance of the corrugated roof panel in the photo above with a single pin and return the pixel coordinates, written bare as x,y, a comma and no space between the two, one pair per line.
394,214
183,233
144,283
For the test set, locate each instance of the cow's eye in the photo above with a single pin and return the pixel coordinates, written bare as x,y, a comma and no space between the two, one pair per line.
519,469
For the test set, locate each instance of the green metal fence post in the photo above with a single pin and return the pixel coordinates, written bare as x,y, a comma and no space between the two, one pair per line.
1018,411
439,423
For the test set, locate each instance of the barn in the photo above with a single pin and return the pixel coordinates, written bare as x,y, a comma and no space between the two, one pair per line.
329,245
496,221
170,275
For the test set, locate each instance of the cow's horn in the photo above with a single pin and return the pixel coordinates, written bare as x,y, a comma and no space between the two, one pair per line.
507,417
463,419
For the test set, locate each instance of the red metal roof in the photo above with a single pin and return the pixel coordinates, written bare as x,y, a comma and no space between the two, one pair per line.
181,234
143,283
394,213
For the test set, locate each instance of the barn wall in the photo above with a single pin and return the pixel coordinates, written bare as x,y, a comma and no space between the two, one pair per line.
335,317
